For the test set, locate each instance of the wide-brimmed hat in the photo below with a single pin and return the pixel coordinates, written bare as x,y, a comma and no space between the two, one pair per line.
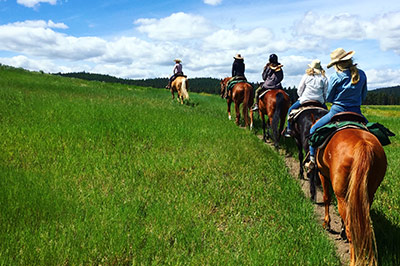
238,56
316,65
177,60
340,55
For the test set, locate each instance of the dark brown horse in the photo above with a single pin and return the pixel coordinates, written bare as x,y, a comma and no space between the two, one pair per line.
275,104
354,163
301,125
241,93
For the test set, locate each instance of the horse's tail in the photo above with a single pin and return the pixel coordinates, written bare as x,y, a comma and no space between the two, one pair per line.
184,88
358,206
280,102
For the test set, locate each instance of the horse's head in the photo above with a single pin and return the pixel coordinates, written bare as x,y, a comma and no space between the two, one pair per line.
223,84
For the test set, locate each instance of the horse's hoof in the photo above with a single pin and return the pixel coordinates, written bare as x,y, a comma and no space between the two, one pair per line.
343,234
230,117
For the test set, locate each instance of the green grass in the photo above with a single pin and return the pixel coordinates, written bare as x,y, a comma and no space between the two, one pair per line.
96,173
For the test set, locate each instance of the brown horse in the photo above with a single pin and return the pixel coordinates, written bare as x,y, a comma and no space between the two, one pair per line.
354,162
241,93
180,85
275,104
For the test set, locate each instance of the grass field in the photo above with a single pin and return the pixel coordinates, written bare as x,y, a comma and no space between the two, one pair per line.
96,173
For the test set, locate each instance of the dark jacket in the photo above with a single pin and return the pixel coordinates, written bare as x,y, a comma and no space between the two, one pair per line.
272,77
238,68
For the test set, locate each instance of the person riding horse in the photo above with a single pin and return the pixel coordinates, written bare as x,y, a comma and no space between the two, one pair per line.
346,90
272,76
177,72
313,87
238,68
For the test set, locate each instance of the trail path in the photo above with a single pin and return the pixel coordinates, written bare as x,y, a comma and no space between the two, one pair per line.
342,247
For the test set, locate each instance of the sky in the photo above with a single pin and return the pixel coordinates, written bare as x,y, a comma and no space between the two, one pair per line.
140,39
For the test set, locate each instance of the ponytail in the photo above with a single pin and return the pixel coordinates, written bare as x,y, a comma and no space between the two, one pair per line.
348,64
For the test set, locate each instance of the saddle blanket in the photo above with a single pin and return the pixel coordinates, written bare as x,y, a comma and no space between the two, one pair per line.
323,134
232,83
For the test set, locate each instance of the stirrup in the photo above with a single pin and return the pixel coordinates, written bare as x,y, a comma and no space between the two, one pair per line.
310,165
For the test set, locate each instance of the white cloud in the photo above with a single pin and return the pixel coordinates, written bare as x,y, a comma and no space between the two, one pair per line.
213,2
39,24
178,26
379,78
386,29
341,26
33,3
36,38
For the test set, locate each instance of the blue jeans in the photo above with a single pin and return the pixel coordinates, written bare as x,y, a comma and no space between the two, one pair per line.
327,118
295,105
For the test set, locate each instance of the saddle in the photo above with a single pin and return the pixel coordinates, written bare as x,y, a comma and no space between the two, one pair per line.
233,81
312,103
307,105
348,116
344,120
177,75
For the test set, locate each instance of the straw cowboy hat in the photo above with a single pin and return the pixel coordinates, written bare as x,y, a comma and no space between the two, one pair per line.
238,56
340,55
177,60
316,65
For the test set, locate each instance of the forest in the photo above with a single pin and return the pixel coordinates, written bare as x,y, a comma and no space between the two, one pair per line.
381,96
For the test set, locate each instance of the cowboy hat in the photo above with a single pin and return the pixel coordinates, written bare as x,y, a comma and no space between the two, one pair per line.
340,55
177,60
238,56
316,65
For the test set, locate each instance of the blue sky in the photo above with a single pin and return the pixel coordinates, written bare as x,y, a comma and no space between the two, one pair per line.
140,39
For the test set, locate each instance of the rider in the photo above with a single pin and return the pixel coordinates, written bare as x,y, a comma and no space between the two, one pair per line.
272,76
238,68
346,90
177,71
313,86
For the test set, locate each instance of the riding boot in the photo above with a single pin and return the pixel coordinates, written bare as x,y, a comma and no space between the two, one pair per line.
310,165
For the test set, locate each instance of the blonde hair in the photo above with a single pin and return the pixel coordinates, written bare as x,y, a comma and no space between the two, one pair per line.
348,64
311,72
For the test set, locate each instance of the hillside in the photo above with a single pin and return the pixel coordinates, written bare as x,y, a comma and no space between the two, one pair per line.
106,173
102,173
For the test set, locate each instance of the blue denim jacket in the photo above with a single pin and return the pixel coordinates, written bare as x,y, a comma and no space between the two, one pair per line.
342,92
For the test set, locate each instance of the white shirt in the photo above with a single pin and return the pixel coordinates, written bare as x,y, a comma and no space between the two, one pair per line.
313,87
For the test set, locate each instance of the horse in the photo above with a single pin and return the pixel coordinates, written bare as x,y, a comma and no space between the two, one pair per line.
354,163
180,85
300,130
241,93
275,104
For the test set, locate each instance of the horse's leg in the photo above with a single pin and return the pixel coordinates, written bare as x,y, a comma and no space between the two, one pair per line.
237,111
312,176
263,124
301,157
327,201
251,118
229,108
173,94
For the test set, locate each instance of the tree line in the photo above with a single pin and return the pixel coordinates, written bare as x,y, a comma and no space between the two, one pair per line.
383,96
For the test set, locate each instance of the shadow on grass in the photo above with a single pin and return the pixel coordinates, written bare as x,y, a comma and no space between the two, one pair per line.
387,239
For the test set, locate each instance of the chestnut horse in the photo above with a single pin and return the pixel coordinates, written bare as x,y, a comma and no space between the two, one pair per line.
180,85
275,104
241,93
354,162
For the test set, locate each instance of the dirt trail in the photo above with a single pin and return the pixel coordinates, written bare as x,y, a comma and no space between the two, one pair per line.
342,247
